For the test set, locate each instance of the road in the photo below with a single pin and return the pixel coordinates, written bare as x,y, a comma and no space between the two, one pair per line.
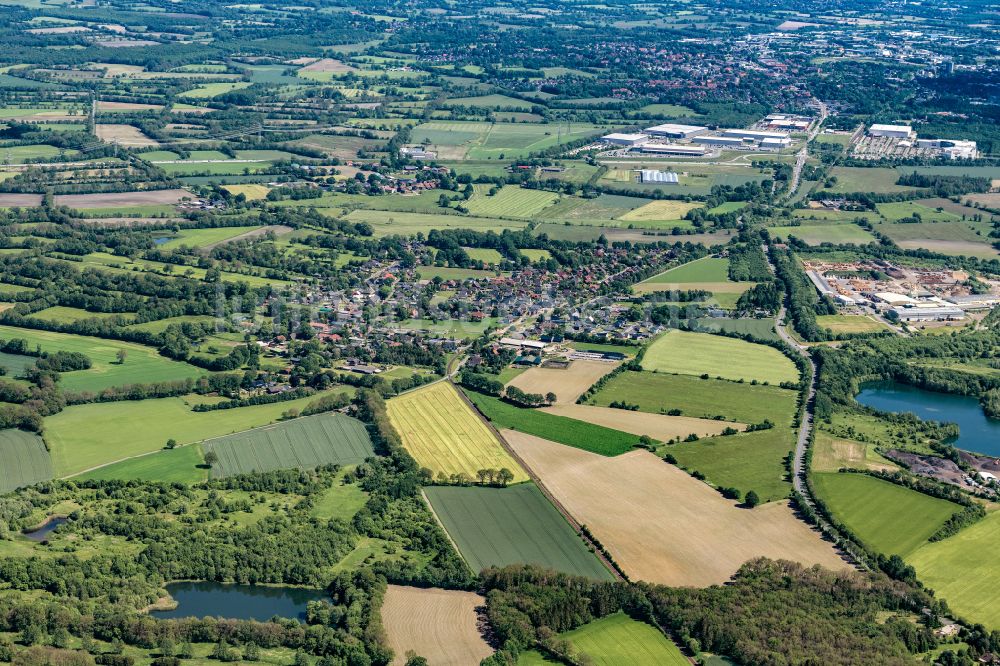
803,154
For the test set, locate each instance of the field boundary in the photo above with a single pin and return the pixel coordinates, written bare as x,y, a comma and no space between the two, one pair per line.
573,522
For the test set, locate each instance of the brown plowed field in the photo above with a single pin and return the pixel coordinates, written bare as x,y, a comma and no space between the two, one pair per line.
662,525
122,199
658,426
12,200
567,384
440,625
124,135
328,65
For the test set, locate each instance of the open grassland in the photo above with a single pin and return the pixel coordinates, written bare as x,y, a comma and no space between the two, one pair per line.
161,325
816,234
830,454
662,525
567,384
443,433
510,201
143,365
617,639
661,210
115,264
440,625
850,324
748,461
23,460
386,223
252,191
688,353
180,465
761,329
514,525
658,426
962,570
579,434
482,140
484,254
862,179
303,443
204,237
897,210
61,314
701,398
888,518
83,437
706,269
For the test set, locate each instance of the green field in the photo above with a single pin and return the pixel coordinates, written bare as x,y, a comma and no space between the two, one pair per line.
483,140
23,460
728,207
816,234
143,365
706,269
181,465
514,525
203,237
60,314
962,570
593,438
850,324
448,273
762,329
387,223
614,640
701,398
303,443
208,90
888,518
83,437
510,201
899,209
748,461
861,179
160,325
484,254
15,364
688,353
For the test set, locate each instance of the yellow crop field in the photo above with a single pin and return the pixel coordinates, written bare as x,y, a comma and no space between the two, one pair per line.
443,434
252,191
660,210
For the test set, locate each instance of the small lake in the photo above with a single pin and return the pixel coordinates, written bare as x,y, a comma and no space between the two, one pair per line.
43,532
163,239
977,433
238,602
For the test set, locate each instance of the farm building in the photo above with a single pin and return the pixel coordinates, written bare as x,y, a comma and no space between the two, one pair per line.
672,149
891,131
655,176
620,139
675,131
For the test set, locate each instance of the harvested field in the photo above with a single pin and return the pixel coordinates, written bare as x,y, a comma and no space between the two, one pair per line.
124,135
660,210
662,525
568,384
11,200
658,426
328,65
445,435
103,105
439,625
123,199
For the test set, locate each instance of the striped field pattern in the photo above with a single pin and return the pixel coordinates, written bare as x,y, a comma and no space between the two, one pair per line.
443,434
302,443
23,460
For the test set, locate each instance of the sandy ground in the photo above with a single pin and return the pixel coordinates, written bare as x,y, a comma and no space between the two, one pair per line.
662,525
658,426
125,135
114,199
567,384
440,625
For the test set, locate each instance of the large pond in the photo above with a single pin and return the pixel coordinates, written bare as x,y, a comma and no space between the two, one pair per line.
238,602
977,433
43,532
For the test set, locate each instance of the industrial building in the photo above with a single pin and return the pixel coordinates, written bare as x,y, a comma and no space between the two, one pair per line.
675,131
620,139
655,176
891,131
418,153
787,122
775,144
929,314
672,149
753,135
724,141
954,149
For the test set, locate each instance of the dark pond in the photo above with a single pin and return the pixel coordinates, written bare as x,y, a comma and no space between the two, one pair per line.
43,532
163,239
977,433
239,602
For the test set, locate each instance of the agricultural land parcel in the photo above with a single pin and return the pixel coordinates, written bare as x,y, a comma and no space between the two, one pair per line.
439,625
708,274
617,639
662,525
687,353
25,461
514,525
568,384
443,433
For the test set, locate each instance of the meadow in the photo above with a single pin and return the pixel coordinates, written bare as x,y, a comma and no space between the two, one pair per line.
387,223
203,237
686,353
850,324
303,443
762,329
830,454
443,433
817,234
706,269
747,461
972,593
23,460
482,140
510,201
143,365
617,639
861,179
663,210
60,314
185,464
888,518
514,525
578,434
83,437
702,398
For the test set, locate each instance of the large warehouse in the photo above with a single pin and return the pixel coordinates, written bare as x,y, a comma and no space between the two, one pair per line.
754,135
675,131
620,139
891,131
655,176
725,141
672,149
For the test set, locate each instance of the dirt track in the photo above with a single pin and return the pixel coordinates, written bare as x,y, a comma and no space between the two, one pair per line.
662,525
